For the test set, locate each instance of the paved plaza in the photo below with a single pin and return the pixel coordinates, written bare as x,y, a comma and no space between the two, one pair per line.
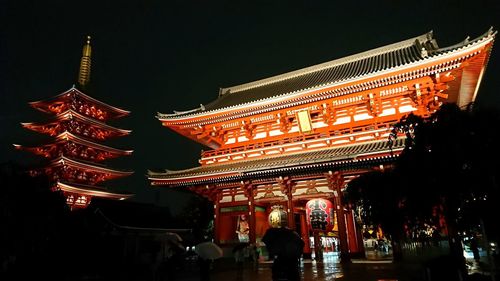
330,269
373,268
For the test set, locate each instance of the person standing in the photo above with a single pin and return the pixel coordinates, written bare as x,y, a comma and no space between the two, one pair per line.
475,249
285,246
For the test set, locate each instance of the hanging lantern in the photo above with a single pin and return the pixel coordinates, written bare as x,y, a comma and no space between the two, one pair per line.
277,217
320,214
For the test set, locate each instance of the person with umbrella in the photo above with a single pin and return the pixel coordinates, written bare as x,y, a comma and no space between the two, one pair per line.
207,252
172,259
285,246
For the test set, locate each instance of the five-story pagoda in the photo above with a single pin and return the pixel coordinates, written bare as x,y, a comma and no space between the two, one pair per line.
76,153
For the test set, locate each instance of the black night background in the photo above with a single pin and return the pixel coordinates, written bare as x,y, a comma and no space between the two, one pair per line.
161,56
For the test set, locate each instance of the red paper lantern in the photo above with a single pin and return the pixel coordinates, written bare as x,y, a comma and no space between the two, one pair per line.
320,214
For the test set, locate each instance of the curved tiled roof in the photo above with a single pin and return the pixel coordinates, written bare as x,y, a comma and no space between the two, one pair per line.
83,141
65,136
64,96
88,165
91,190
69,114
373,61
397,54
348,154
355,66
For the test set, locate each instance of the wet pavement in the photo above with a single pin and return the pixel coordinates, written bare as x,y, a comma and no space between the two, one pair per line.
328,270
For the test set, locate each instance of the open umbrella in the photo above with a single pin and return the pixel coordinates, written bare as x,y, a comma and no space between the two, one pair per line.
283,242
174,237
208,250
173,244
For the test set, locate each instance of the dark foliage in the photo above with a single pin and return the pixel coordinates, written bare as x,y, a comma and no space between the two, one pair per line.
198,216
448,166
41,238
33,224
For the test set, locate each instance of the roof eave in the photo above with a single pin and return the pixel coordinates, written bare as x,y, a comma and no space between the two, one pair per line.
173,118
89,191
118,111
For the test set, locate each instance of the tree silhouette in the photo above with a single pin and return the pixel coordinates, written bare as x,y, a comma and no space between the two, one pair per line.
198,216
41,238
34,220
448,166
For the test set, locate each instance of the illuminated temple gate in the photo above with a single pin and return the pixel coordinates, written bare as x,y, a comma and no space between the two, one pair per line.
305,134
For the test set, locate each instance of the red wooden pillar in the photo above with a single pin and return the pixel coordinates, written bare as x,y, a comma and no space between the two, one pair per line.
286,186
291,219
291,207
359,251
217,218
335,181
344,249
351,233
251,210
304,233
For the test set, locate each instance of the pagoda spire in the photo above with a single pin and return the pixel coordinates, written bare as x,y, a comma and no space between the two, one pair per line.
85,64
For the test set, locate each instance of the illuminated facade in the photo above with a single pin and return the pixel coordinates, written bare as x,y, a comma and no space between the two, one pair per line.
76,153
290,138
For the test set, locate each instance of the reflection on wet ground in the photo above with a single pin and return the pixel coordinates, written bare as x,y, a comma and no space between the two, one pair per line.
375,267
328,270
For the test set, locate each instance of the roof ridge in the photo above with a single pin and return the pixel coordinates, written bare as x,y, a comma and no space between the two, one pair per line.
318,67
84,139
467,41
94,188
77,138
121,111
90,119
373,62
90,164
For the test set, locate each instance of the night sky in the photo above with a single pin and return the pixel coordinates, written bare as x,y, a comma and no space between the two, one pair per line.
160,56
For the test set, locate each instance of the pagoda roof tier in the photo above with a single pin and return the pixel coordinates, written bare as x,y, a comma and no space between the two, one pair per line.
53,127
54,148
88,166
340,158
76,100
90,190
406,60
